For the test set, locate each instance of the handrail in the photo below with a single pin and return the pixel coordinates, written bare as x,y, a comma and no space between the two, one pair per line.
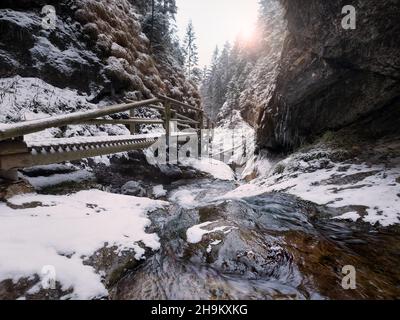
92,116
178,103
159,108
122,121
180,116
27,127
183,105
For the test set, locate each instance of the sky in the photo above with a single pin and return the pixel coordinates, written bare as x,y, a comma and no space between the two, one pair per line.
216,21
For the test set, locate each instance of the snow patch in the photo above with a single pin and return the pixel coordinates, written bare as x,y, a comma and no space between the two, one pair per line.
185,198
62,230
56,179
195,234
213,244
217,169
159,191
353,216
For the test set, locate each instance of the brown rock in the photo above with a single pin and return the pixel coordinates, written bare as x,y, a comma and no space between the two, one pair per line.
11,189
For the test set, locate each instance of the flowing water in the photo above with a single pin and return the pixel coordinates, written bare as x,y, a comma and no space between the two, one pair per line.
273,246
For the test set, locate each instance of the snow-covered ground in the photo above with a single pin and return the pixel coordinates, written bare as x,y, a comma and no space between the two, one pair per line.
63,231
217,169
314,177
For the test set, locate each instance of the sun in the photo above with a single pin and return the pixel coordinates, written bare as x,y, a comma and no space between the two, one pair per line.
247,33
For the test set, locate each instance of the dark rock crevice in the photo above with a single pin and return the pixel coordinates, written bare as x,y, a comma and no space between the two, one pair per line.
331,78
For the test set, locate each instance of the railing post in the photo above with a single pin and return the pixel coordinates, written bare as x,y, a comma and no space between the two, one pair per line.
167,128
200,127
132,126
8,148
11,175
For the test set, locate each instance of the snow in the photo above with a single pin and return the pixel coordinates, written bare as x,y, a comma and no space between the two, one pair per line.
353,216
45,53
102,160
56,179
217,169
195,234
377,189
32,99
258,165
185,198
159,191
214,243
61,231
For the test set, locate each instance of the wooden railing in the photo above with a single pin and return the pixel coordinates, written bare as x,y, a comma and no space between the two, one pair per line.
15,153
93,117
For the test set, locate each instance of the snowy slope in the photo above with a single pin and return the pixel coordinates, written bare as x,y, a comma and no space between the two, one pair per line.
63,231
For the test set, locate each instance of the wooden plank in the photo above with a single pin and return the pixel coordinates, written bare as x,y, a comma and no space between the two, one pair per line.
178,103
184,126
27,160
147,121
167,128
182,117
131,121
12,147
11,175
27,127
185,121
132,126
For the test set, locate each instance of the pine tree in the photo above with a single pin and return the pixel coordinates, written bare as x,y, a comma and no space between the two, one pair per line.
207,86
157,22
191,55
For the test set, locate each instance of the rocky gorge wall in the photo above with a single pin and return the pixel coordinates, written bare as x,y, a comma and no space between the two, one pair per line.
330,78
97,48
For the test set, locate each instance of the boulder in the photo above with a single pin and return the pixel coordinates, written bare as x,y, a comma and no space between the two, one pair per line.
10,189
133,188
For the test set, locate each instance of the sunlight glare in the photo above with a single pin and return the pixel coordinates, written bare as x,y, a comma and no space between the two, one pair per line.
246,33
216,22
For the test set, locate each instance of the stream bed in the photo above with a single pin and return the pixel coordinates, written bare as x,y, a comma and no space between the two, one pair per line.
273,246
270,246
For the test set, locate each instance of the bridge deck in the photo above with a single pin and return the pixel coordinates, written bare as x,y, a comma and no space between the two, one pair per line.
49,151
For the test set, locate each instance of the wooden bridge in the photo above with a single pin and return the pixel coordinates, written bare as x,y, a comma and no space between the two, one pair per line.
15,153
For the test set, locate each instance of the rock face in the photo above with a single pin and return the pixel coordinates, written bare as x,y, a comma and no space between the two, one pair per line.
133,188
330,77
11,189
96,47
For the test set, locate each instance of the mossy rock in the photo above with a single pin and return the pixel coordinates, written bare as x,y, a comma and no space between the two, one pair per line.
279,169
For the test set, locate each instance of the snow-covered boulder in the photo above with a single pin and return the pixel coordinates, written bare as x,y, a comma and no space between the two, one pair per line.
133,188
